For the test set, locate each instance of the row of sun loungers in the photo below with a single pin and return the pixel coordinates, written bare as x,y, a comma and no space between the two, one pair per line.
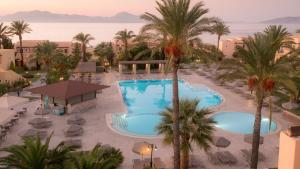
140,164
222,157
7,126
82,107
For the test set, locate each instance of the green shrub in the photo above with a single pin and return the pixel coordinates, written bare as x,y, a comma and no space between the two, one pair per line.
28,75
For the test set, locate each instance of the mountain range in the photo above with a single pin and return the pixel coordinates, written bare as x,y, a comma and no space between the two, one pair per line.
283,20
122,17
45,16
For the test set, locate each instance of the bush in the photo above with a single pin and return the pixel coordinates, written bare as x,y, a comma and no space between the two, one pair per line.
28,75
12,66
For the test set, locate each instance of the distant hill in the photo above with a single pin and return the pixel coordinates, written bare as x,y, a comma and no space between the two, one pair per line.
44,16
284,20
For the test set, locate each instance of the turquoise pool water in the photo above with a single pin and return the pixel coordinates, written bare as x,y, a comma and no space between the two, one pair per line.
238,122
145,99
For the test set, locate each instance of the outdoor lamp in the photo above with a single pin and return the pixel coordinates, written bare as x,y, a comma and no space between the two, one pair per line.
61,78
152,147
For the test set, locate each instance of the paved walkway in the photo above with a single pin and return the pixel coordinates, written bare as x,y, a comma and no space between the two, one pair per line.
96,129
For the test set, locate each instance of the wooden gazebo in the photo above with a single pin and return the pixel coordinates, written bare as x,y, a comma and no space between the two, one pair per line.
68,92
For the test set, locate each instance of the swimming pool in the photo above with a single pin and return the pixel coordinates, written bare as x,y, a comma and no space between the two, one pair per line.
242,123
145,99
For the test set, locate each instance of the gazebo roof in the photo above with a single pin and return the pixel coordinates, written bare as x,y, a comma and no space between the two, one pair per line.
85,67
67,89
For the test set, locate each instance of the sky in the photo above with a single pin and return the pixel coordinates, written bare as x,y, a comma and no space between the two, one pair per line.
228,10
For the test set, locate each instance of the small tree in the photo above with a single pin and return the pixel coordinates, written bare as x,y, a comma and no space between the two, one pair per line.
7,43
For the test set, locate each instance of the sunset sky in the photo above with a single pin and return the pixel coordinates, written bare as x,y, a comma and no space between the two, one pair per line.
229,10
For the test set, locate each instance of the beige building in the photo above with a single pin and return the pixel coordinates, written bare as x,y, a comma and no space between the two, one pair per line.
7,56
29,47
289,152
228,46
284,51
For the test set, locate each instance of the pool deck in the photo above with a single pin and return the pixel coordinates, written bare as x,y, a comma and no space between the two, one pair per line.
97,129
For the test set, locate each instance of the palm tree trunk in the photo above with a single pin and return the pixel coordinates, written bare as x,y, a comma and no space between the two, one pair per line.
0,43
84,52
21,51
185,158
126,49
176,141
218,46
256,135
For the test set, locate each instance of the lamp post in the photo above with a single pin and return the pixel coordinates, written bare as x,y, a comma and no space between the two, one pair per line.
151,147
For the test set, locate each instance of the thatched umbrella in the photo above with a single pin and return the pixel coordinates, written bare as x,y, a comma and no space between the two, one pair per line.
74,130
32,133
141,148
76,120
40,123
221,142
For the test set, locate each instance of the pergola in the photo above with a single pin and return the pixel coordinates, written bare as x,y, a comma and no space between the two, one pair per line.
85,67
161,65
68,92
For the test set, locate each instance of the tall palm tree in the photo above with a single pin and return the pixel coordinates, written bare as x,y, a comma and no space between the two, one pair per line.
124,36
3,33
84,39
195,127
220,29
259,65
34,154
45,52
19,28
178,22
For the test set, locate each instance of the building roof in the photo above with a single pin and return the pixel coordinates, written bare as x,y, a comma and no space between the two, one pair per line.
144,62
34,43
85,67
67,89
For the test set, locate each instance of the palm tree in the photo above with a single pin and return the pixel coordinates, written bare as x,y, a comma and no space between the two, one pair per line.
19,28
298,31
220,29
33,154
45,52
179,22
195,127
84,39
99,158
257,63
3,33
124,36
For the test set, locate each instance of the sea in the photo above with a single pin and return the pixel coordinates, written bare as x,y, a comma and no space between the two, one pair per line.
105,32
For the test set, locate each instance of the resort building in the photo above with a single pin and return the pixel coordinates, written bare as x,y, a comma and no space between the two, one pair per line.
228,46
284,51
29,47
7,56
118,45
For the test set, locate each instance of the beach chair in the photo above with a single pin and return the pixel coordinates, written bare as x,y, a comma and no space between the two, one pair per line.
246,153
137,164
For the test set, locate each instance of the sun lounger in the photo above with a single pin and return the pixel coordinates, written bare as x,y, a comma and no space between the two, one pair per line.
73,143
222,157
213,158
158,163
195,163
226,158
246,153
137,164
